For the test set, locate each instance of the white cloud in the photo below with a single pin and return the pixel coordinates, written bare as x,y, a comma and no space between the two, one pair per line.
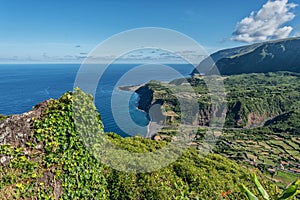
267,23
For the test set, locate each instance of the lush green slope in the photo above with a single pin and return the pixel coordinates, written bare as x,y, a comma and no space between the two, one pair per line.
251,99
262,121
53,163
190,177
254,98
272,56
288,122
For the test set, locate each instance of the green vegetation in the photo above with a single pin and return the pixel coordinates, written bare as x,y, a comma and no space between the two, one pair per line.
2,117
190,177
272,56
261,134
285,178
291,191
288,122
55,164
252,99
260,146
262,121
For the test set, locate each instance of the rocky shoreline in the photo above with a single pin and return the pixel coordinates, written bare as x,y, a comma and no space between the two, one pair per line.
145,94
144,104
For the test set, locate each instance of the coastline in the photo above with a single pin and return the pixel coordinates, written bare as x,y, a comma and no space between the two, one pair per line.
134,88
131,88
153,127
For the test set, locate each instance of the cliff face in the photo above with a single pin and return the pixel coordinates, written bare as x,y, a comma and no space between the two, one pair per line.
235,115
154,93
146,97
251,98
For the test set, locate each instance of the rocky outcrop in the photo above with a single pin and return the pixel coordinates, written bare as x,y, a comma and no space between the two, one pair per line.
16,129
256,120
204,117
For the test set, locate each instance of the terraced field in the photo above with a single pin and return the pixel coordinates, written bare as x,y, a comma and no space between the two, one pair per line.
262,121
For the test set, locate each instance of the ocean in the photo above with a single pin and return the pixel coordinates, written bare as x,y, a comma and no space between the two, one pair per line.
25,85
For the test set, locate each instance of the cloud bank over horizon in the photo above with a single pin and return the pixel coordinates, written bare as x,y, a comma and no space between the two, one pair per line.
266,24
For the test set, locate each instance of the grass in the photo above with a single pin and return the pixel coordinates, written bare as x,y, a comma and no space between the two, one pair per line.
285,178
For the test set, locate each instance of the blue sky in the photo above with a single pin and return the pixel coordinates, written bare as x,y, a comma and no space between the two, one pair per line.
66,30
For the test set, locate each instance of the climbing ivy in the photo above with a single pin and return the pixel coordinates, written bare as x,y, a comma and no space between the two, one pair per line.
55,163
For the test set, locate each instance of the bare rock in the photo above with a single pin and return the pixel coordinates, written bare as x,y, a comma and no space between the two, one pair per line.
16,129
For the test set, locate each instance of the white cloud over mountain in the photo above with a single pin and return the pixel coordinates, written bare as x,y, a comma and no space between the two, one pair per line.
267,23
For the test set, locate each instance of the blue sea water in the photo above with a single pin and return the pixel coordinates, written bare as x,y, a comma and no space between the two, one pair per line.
24,85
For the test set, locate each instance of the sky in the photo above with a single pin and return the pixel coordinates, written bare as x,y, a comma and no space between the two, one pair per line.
66,31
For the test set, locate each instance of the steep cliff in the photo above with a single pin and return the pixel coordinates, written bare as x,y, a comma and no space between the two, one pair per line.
146,97
251,98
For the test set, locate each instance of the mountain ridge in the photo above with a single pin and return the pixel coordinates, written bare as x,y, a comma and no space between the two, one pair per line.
270,56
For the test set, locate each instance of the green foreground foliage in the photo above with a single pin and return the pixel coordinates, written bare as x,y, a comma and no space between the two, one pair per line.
289,192
2,117
55,164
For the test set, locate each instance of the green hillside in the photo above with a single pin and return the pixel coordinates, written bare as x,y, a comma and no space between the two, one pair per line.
271,56
262,121
52,163
251,99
